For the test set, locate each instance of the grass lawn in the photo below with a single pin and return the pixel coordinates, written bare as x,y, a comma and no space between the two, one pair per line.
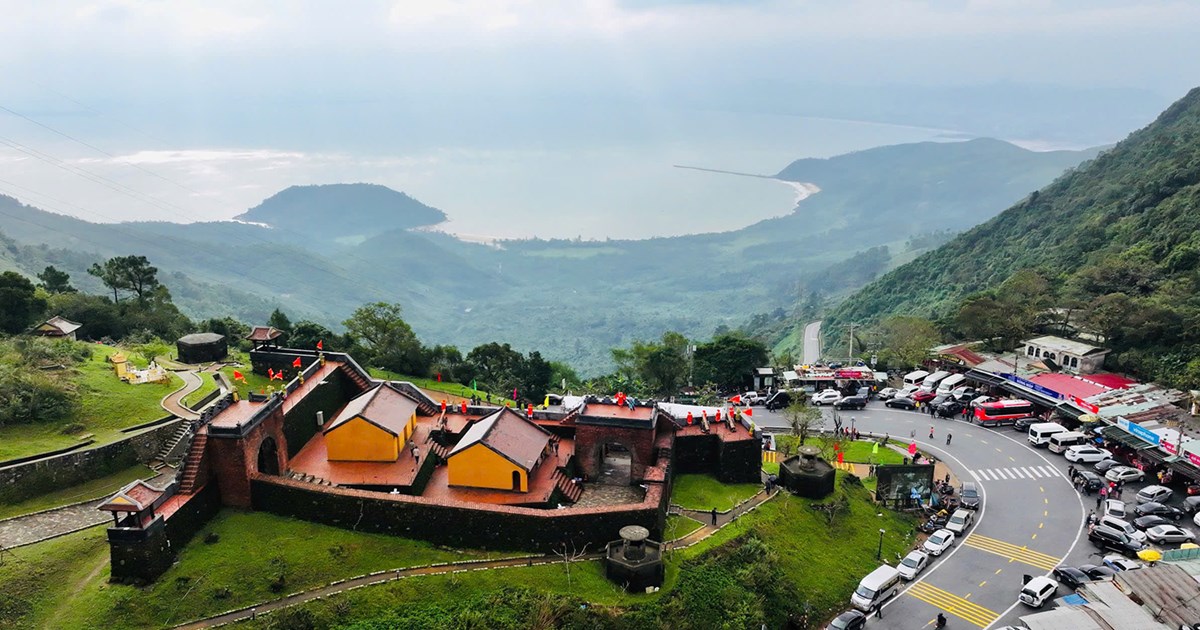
109,405
254,382
704,492
456,389
855,452
680,526
93,489
208,384
771,467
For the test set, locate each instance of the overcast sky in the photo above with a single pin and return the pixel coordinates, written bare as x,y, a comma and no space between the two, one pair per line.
179,99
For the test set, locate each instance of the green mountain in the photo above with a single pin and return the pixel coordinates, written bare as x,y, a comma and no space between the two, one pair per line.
1118,239
325,250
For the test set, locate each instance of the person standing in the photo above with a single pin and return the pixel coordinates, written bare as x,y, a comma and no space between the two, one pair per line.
948,436
714,516
931,431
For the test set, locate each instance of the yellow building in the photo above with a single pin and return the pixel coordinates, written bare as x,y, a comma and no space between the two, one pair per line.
373,427
499,452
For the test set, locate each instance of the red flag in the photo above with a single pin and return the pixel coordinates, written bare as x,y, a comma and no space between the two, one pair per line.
737,400
718,415
529,411
296,363
464,407
237,376
837,446
912,448
443,405
840,457
320,344
278,375
439,377
270,373
689,417
749,412
514,393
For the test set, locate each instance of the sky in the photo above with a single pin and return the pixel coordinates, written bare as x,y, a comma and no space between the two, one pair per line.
523,117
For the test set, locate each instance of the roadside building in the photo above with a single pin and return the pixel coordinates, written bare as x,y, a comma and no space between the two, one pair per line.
1069,356
201,348
58,328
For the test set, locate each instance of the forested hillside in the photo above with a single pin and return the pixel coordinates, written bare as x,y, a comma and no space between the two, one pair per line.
1116,244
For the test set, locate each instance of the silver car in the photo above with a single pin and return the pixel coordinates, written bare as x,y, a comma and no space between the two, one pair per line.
1169,534
913,564
1156,494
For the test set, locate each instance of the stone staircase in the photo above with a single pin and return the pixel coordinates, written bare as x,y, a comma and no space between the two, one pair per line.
361,381
170,452
568,488
307,478
191,465
439,450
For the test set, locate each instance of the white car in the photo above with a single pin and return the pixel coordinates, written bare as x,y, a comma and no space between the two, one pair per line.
1157,494
1121,563
939,542
960,521
1114,507
1196,519
826,397
887,393
913,564
1123,473
1038,591
1160,534
1085,453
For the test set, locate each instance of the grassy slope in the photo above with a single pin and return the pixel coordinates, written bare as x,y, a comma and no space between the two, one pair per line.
109,405
704,492
93,489
208,385
432,384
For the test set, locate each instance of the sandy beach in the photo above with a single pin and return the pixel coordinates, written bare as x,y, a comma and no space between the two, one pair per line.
803,189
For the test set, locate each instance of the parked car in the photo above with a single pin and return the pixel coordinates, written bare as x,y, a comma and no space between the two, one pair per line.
1146,522
1091,481
1123,473
938,400
1105,465
1115,540
1191,504
1158,509
1023,424
1124,526
1071,577
1097,572
1114,507
913,564
960,521
979,400
851,402
1195,519
1085,453
1157,494
900,402
1160,534
939,542
949,409
1120,563
964,394
826,397
969,496
887,393
923,397
779,400
1038,591
849,620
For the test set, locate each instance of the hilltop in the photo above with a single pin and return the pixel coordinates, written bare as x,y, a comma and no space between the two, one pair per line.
345,212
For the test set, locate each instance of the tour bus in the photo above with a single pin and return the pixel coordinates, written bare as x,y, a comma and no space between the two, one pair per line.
1060,442
931,382
1040,433
1003,412
949,383
915,378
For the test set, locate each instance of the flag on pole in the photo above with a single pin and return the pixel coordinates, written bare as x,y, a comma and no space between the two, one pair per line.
737,400
439,377
278,376
514,393
464,407
296,363
875,449
912,448
237,376
320,344
473,388
443,405
546,403
529,410
749,412
840,458
270,373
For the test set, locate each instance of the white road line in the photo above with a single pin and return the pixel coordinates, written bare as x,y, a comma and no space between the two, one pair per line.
1033,474
1018,473
1000,473
1054,471
973,474
983,475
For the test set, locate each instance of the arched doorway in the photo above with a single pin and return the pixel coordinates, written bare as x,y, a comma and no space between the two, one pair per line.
616,464
268,457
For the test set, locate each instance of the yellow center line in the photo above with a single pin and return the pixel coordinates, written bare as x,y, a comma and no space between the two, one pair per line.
1045,512
953,604
998,571
1046,501
1041,488
984,582
1034,537
1040,525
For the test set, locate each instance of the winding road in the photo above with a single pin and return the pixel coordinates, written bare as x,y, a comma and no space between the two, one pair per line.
1030,520
812,342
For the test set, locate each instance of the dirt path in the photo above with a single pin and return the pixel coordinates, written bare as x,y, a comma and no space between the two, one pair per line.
173,402
76,586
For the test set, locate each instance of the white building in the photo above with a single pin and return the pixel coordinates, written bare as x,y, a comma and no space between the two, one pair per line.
1070,356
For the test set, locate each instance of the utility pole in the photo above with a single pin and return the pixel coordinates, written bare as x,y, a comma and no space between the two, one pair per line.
850,345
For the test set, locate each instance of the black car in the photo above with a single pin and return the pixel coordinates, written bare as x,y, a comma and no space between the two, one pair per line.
969,497
849,620
1104,464
949,409
1022,424
900,402
966,395
939,399
1146,522
1071,577
1106,537
1097,572
1151,508
851,402
1191,505
1091,481
778,400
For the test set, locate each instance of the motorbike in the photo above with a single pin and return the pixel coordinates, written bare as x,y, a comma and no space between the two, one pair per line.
1193,489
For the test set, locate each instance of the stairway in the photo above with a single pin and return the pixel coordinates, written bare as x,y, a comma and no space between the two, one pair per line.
362,381
191,466
439,450
165,454
568,488
307,478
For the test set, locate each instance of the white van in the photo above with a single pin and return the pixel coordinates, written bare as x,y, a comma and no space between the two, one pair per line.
1060,442
1040,433
879,586
932,381
915,378
950,383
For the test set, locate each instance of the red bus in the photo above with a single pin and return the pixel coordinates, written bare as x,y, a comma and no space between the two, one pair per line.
1002,412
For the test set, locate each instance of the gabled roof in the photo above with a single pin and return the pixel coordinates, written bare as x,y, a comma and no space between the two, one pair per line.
383,406
1058,344
510,435
63,325
263,333
134,497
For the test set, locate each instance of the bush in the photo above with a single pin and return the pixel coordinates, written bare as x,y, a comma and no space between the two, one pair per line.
29,396
73,428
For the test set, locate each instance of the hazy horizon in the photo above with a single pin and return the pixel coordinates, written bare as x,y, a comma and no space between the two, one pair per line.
521,118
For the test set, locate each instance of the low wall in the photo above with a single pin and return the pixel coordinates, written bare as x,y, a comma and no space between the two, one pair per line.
496,528
29,479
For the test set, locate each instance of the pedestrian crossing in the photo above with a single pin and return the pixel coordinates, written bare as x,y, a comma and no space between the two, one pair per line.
1014,473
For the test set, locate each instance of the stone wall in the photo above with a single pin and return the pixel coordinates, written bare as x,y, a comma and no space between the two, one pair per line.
29,479
234,459
731,462
300,424
140,556
496,528
590,437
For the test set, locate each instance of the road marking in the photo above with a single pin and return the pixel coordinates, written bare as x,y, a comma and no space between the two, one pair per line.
1012,552
1031,472
983,441
1045,512
1011,458
1018,473
1042,488
998,571
982,583
1046,501
960,607
1034,537
1040,525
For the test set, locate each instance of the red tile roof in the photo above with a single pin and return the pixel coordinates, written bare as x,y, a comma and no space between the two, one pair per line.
509,434
134,497
1068,385
383,406
1115,381
263,333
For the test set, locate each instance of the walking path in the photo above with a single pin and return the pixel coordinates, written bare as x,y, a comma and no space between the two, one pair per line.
249,612
173,402
39,526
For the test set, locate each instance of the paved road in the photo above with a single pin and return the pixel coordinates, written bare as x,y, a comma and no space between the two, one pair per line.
812,342
1031,518
173,402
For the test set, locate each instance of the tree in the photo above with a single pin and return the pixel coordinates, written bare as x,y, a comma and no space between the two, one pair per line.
802,418
1108,314
127,273
19,303
661,366
306,334
908,338
109,273
232,329
98,315
389,341
279,321
535,376
496,366
729,361
55,281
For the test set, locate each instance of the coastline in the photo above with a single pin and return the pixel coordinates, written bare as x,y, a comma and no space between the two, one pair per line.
804,190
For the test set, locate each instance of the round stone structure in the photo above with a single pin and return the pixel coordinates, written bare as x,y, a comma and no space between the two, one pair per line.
806,474
635,561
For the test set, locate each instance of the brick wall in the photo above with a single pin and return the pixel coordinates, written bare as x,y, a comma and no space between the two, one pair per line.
29,479
233,460
589,438
731,462
301,422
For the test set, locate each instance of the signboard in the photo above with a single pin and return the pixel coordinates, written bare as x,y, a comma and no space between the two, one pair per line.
1045,391
854,374
898,486
1138,431
1085,405
1193,458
